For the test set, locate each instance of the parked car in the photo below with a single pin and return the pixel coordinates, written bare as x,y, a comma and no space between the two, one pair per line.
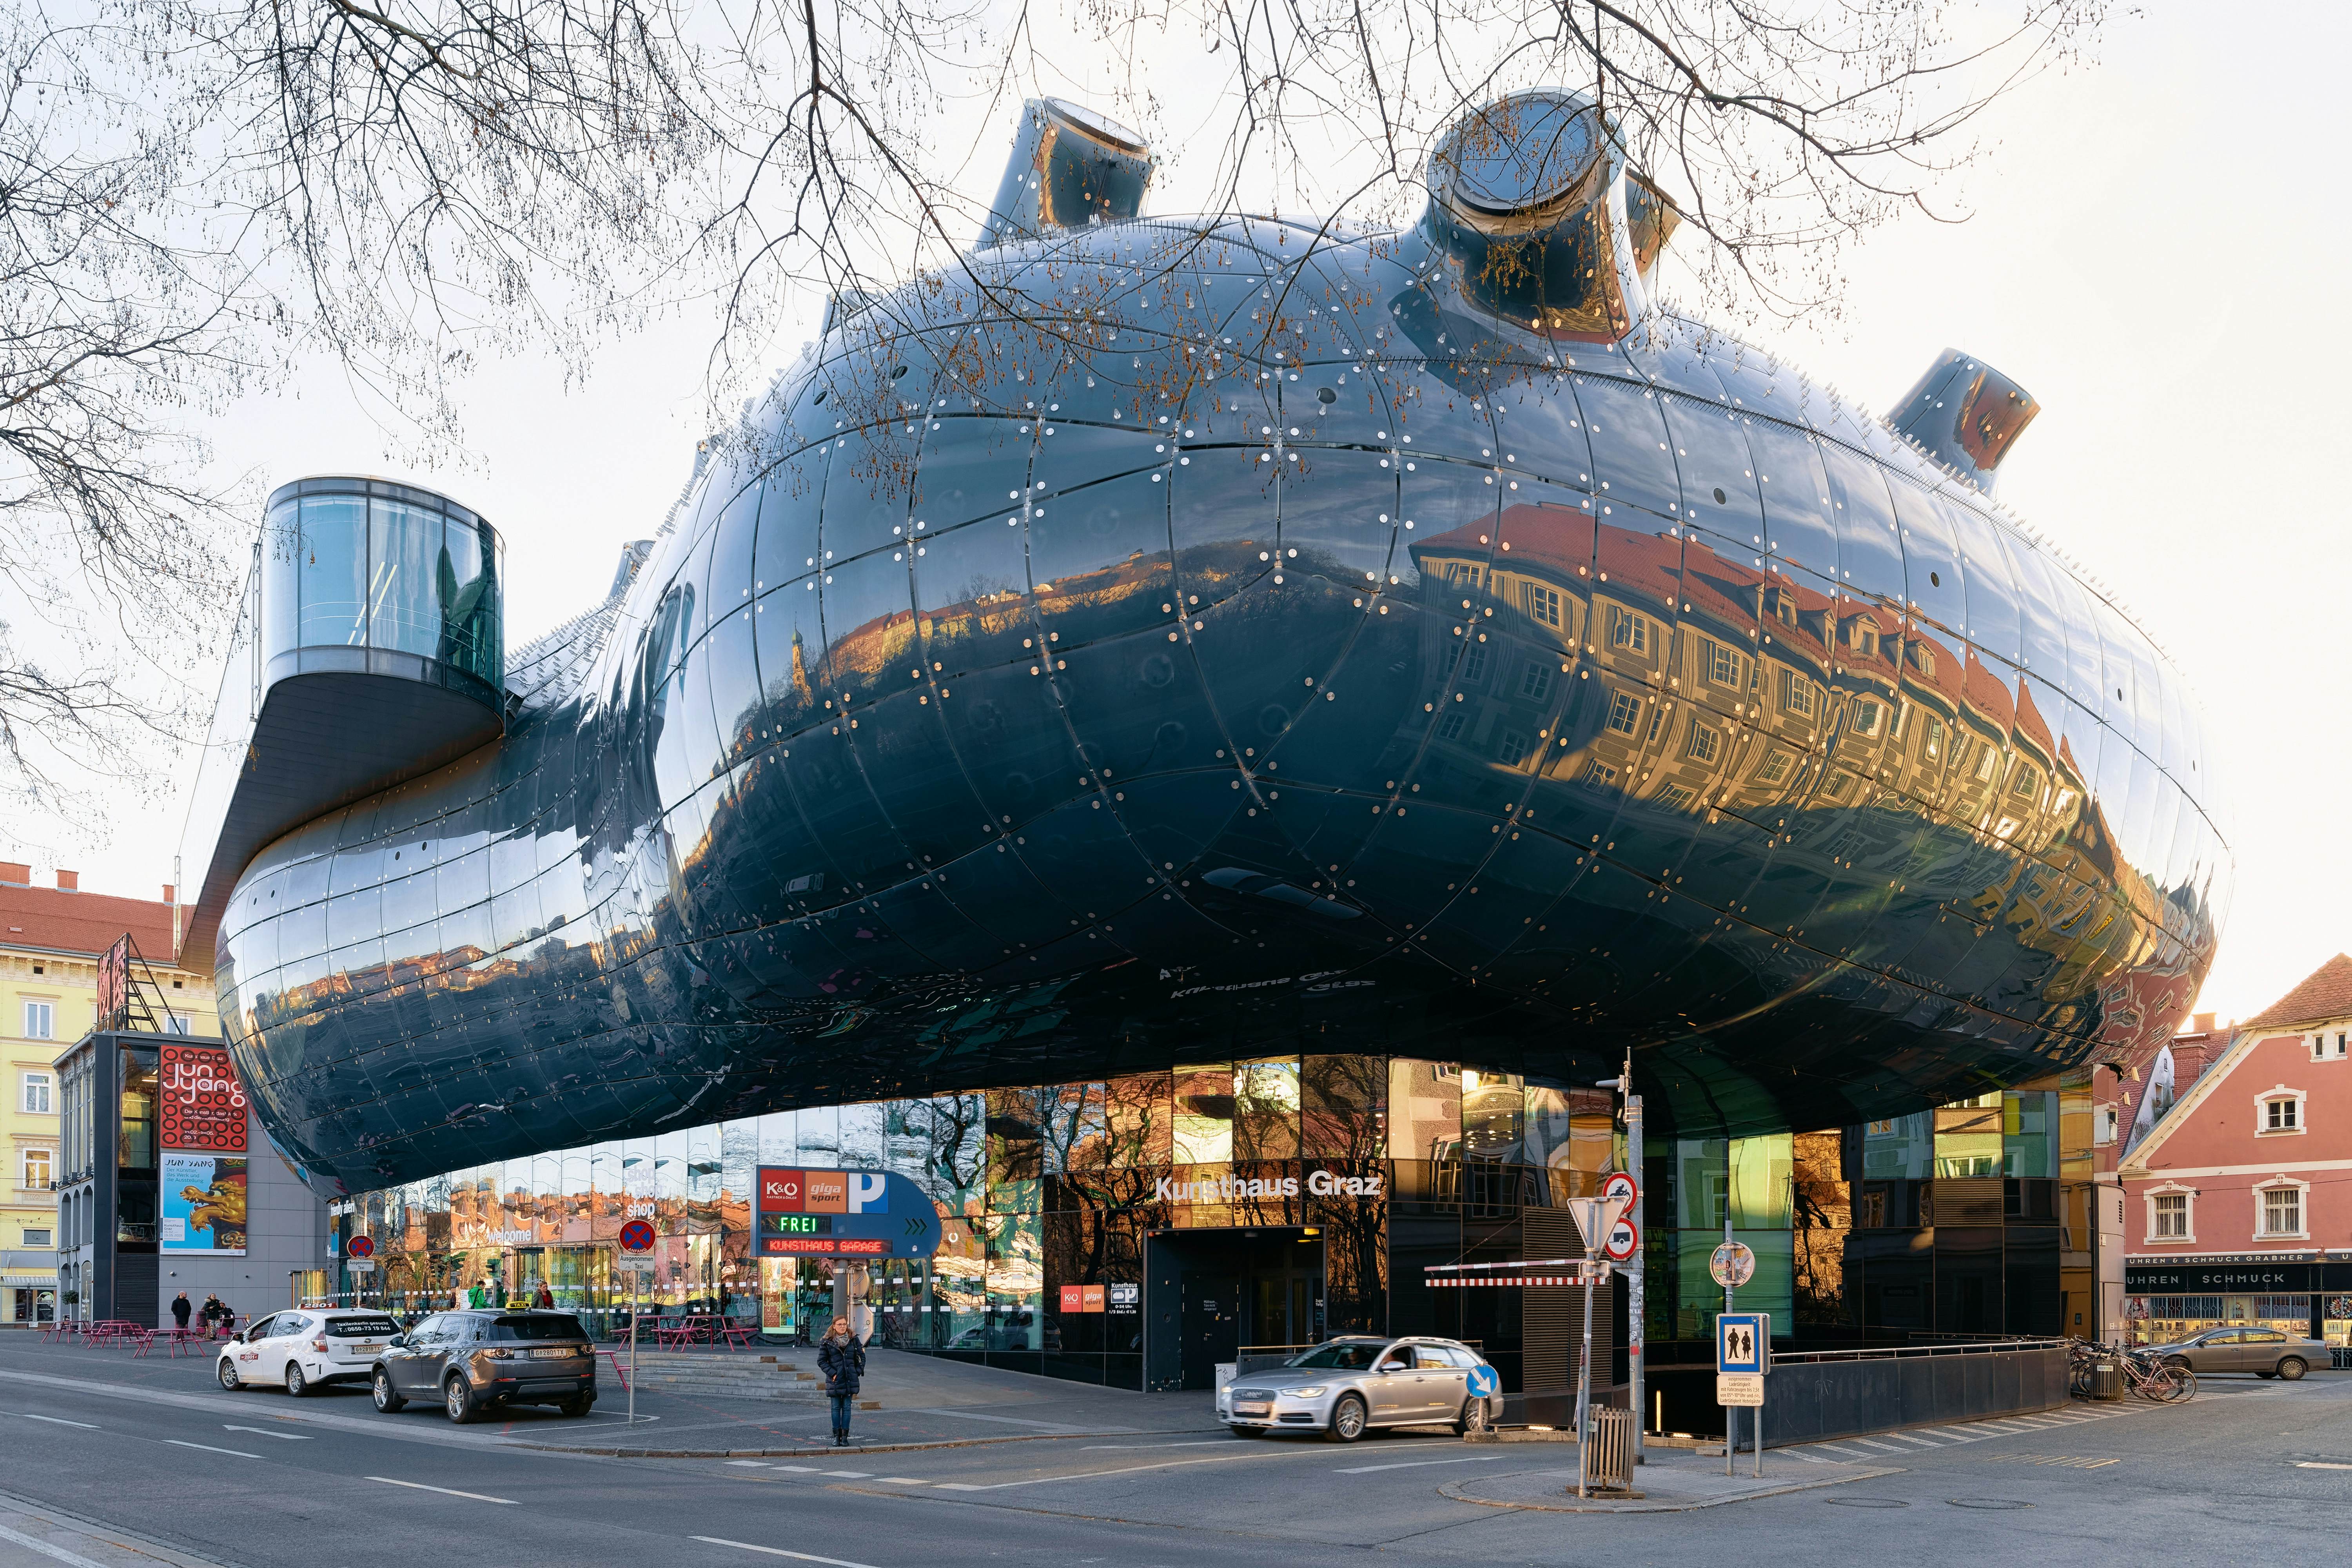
2265,1352
306,1349
1345,1387
471,1359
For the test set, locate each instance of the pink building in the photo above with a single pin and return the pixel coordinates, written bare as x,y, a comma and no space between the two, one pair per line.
2237,1203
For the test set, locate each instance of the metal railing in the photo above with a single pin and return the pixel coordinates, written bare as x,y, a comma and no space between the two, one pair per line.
1890,1352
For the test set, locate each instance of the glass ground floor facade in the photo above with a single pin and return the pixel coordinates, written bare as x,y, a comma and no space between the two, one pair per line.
1138,1230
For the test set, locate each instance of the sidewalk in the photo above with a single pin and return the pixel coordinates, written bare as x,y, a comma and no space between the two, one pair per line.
923,1402
1670,1482
33,1536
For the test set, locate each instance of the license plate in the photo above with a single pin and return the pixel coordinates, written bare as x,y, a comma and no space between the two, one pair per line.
365,1349
556,1355
1252,1409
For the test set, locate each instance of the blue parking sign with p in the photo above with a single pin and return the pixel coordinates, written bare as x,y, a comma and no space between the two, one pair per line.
1743,1342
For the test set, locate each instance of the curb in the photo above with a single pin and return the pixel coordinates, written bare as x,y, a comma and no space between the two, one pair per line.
825,1451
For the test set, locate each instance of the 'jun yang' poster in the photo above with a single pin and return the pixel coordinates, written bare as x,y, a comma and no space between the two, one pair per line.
204,1203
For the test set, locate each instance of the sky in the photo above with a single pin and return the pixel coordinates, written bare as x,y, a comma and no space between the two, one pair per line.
2153,249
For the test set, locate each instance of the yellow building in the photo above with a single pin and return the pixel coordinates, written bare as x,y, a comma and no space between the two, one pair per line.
51,939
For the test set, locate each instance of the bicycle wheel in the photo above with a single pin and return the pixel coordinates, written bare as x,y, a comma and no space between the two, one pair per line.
2184,1386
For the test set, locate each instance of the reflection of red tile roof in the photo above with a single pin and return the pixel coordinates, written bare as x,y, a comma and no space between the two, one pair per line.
83,922
2030,724
1988,694
2325,993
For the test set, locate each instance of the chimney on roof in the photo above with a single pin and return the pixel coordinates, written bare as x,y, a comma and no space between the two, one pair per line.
69,881
15,873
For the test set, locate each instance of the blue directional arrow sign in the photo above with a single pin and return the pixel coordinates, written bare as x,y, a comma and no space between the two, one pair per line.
1484,1382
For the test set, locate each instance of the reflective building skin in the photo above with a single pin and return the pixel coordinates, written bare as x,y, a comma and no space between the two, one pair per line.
1245,639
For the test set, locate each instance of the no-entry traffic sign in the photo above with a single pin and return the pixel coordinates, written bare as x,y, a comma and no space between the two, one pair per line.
638,1236
359,1246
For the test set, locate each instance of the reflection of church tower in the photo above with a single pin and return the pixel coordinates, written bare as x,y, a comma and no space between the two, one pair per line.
800,669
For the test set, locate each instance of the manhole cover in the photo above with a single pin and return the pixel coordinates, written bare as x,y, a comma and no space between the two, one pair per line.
1986,1502
1867,1502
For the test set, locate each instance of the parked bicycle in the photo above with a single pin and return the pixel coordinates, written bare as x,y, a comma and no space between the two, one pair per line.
2145,1376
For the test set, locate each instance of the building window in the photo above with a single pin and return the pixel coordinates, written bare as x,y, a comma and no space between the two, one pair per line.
2028,783
1933,746
40,1020
1703,744
1449,727
2327,1047
37,1169
1625,713
2279,1110
175,1025
1841,785
1675,797
1513,749
1773,769
1722,665
2282,1211
2109,1119
1628,631
1474,661
35,1096
1534,681
37,1237
1597,771
1796,694
1988,763
1867,716
1866,638
1541,603
2170,1211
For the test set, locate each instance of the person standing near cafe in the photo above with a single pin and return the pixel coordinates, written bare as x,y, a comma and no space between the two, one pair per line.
180,1311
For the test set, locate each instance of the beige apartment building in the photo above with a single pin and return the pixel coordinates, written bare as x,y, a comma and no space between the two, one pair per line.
51,939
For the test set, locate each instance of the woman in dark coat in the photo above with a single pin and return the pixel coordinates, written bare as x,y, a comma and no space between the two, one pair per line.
842,1360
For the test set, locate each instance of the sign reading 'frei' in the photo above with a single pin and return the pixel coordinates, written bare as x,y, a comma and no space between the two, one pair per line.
842,1214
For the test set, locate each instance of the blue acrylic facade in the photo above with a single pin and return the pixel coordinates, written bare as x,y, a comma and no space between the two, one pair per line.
1176,640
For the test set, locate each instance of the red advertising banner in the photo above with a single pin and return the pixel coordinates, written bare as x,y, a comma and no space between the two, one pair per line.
823,1246
203,1106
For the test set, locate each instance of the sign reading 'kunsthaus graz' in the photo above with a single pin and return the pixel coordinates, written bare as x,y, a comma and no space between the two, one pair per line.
1239,1189
842,1214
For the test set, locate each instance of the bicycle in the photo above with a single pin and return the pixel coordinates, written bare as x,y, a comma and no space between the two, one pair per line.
2158,1382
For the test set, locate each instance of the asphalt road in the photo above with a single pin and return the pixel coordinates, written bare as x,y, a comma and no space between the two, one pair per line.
2252,1472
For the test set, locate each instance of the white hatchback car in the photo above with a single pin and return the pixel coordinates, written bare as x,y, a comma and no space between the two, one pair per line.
301,1349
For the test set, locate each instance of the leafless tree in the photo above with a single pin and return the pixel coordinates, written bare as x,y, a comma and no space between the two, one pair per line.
199,194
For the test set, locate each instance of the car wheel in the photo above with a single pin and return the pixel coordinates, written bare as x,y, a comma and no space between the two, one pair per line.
295,1385
577,1405
1347,1420
458,1399
228,1378
386,1399
2292,1368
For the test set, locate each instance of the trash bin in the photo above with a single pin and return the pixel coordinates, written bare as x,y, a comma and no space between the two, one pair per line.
1608,1455
2106,1380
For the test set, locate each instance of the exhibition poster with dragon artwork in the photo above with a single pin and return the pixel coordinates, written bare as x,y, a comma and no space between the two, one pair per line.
204,1162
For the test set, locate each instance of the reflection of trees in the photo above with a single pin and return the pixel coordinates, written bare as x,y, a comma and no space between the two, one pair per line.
1822,1229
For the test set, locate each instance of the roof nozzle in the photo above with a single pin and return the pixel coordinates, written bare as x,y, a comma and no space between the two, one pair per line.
1966,415
1070,167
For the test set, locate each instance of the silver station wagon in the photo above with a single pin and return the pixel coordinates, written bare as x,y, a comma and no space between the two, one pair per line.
1344,1387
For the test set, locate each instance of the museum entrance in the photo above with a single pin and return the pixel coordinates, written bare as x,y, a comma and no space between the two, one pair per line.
1219,1296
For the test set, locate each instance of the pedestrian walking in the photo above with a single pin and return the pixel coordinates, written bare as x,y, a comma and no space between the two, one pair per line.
181,1308
842,1361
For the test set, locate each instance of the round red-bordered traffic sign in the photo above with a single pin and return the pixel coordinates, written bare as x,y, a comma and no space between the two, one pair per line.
1625,1241
638,1236
359,1246
1623,1181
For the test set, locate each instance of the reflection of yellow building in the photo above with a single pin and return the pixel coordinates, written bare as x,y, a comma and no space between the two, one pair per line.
49,956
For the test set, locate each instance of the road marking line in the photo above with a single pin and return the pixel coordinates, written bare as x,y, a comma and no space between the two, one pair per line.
1418,1464
2319,1465
1956,1435
444,1491
35,1543
850,1475
902,1481
1906,1437
1849,1453
750,1464
1809,1459
780,1552
1261,1456
798,1469
61,1421
266,1432
1150,1448
1021,1421
1873,1443
962,1487
208,1448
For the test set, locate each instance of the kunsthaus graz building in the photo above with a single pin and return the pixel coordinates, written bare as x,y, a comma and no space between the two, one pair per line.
1198,743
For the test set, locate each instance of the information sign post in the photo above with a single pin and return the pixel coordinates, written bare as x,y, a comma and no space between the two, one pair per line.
1743,1355
1636,1305
636,1240
1732,1265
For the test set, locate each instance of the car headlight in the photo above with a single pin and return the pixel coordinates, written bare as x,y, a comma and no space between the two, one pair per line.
1304,1393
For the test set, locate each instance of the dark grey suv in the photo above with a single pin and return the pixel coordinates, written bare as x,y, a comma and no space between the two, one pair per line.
471,1360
